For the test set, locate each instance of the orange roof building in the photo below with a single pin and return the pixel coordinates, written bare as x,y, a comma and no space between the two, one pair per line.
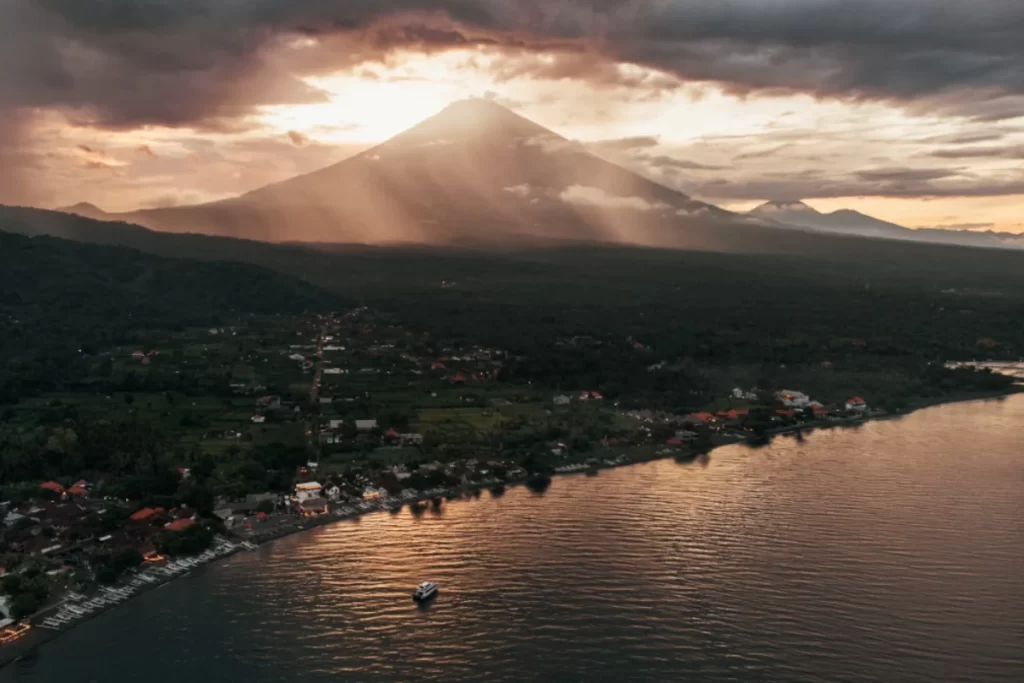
142,515
78,491
52,486
179,524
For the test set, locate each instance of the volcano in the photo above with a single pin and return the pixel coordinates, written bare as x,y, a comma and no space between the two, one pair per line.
474,173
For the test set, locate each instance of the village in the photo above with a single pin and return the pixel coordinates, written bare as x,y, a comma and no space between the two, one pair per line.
274,426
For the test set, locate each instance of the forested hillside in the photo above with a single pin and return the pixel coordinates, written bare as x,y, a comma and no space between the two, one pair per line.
59,296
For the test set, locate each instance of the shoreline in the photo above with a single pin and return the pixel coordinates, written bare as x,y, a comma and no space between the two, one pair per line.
40,635
51,622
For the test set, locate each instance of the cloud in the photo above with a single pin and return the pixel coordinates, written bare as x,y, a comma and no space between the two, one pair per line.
211,63
88,157
905,175
518,190
297,138
958,226
553,144
1012,152
811,186
146,150
596,197
662,161
625,144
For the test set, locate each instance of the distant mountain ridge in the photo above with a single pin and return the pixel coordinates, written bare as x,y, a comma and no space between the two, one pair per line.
850,222
479,175
475,172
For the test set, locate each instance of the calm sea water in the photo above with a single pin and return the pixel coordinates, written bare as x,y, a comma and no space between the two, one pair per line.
893,552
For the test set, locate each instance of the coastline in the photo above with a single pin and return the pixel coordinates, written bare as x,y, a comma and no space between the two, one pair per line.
108,598
26,647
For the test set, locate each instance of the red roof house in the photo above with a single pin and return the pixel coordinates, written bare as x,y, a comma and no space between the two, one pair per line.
179,524
52,486
78,491
142,515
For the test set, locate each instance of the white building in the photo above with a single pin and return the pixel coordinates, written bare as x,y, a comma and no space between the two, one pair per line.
857,404
562,400
307,491
793,399
366,425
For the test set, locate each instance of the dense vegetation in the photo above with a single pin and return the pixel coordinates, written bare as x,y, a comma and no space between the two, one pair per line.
61,299
667,330
877,315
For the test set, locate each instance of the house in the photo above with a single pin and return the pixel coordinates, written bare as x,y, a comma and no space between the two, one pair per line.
588,395
80,491
562,400
739,394
733,416
179,524
458,378
793,399
312,507
259,419
326,400
698,418
138,355
819,411
411,439
335,424
392,434
686,435
52,486
371,493
857,404
674,442
298,357
366,425
787,412
143,515
307,490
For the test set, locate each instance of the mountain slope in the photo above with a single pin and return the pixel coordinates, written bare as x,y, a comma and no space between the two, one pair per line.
848,222
476,172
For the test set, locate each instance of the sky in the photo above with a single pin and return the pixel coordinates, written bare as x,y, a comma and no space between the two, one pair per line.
909,110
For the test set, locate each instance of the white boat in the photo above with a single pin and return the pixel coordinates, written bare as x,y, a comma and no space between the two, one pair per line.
426,591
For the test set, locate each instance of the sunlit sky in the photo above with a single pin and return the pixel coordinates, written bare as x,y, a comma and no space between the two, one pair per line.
917,161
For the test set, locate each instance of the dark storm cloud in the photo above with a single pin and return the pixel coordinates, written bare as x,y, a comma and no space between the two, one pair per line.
122,63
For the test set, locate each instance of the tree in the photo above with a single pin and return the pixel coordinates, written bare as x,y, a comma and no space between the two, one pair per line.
129,558
24,605
106,575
